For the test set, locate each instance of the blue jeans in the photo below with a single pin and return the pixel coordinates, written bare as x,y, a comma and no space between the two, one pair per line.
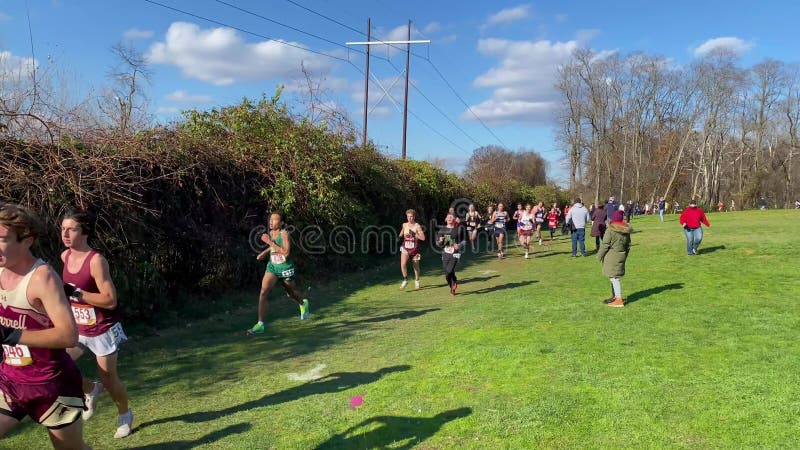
693,239
661,214
579,235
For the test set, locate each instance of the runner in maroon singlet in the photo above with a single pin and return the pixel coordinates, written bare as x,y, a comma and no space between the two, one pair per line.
37,376
93,299
412,234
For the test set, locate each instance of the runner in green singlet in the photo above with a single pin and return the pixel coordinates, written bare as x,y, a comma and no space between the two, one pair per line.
280,268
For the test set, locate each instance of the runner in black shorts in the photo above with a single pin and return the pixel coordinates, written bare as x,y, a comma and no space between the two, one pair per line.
453,240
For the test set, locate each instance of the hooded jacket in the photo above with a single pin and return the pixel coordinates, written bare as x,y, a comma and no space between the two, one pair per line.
615,247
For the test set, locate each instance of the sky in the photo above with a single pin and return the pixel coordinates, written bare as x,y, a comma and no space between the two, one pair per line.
486,78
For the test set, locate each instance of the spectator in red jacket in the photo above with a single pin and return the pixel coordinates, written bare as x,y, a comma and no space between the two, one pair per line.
691,218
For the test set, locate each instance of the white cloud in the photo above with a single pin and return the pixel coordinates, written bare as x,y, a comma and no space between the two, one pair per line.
136,34
432,27
181,96
733,44
508,15
220,56
16,67
167,110
523,81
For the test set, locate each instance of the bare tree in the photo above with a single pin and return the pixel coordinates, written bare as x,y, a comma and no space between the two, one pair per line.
125,104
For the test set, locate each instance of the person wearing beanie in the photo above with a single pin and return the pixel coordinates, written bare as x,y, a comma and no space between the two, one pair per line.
613,253
691,219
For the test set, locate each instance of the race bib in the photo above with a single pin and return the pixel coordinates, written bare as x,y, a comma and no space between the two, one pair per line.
17,355
450,249
277,258
527,227
287,273
84,314
117,333
410,245
500,224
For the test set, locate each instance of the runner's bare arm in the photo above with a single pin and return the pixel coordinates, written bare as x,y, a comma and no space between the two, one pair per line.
107,298
46,292
420,233
286,248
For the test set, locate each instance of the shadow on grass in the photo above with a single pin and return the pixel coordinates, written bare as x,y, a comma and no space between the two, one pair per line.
636,296
703,251
397,316
501,287
397,432
207,439
335,382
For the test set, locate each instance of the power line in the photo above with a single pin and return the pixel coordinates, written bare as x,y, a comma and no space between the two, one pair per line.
287,26
453,90
326,17
391,97
246,31
438,109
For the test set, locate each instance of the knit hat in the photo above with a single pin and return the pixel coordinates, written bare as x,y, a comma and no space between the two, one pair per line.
617,216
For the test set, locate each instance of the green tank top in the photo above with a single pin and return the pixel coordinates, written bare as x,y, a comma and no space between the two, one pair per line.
277,262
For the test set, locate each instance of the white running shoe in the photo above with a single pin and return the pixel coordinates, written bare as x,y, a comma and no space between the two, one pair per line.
540,242
125,425
91,400
404,284
526,255
416,284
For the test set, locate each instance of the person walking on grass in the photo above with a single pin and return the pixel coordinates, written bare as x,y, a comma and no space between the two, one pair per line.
613,253
598,225
280,268
691,219
453,240
93,298
412,234
37,377
578,215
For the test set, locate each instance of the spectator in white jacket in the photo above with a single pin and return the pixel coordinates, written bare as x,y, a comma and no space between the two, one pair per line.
578,215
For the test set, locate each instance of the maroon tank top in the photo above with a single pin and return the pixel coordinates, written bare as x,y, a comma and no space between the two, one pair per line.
91,320
21,363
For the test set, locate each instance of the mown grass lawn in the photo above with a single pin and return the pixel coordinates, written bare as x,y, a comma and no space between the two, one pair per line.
526,356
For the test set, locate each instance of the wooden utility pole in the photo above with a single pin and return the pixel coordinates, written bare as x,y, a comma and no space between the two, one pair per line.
366,86
408,43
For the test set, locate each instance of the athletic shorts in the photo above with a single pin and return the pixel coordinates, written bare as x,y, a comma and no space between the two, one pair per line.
287,274
55,404
417,256
525,232
499,231
104,344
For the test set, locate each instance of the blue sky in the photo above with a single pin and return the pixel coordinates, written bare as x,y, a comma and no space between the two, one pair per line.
499,57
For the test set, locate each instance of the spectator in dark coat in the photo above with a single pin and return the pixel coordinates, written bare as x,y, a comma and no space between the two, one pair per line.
598,225
611,206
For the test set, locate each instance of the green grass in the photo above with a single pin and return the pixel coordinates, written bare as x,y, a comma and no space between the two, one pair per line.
527,356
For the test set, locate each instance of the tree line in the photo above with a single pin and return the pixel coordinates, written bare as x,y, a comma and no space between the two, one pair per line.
641,127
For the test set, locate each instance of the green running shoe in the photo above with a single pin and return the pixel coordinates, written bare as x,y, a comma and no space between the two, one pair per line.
257,329
304,310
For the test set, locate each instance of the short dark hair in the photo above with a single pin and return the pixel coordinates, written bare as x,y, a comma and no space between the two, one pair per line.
84,219
578,200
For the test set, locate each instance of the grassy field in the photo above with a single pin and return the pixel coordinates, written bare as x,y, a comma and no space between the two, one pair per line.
526,356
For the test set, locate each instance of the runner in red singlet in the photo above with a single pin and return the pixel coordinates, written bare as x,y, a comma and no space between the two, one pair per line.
37,376
93,298
412,234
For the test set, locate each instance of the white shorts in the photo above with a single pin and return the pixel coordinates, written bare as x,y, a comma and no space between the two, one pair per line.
106,343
